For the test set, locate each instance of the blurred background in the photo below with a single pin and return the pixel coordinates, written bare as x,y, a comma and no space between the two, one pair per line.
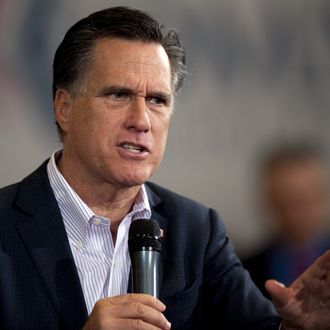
259,74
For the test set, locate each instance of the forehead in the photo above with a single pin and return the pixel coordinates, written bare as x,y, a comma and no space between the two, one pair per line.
121,59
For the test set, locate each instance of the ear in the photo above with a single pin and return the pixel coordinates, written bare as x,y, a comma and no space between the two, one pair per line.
62,108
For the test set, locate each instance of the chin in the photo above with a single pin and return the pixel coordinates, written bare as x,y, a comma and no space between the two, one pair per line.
132,180
132,183
132,175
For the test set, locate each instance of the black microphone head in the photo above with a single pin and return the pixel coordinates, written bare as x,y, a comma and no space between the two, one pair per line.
144,234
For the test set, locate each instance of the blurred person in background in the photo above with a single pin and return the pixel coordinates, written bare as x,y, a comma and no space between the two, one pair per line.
295,195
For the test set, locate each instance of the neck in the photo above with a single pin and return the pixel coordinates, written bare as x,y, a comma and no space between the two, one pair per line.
103,198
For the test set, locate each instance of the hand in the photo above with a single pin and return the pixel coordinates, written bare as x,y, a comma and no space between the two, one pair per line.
131,311
306,303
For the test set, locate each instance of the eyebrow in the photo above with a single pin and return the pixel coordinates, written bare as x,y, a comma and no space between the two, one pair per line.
126,90
116,89
161,95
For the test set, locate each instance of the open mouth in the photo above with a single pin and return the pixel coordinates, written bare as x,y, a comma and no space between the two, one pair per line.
134,148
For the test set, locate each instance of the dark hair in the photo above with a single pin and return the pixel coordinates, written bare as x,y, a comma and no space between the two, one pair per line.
73,56
287,154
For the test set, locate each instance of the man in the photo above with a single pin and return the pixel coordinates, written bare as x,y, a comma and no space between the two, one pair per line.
64,258
295,194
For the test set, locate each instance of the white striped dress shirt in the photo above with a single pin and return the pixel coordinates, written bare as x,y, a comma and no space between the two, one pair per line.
103,267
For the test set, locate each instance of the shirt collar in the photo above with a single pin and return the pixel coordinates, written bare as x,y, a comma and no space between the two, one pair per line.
75,212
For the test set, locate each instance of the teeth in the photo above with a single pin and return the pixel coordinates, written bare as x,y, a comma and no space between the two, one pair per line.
132,147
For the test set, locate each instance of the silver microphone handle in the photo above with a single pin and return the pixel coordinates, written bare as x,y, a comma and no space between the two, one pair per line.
145,272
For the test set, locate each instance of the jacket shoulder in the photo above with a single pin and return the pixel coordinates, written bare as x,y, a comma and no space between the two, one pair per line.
8,194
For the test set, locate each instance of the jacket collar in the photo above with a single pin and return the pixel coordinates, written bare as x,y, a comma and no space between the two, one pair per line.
44,236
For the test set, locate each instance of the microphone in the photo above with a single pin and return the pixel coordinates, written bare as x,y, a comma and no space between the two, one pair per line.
144,244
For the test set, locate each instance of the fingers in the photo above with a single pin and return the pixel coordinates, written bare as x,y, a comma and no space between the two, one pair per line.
278,292
316,279
144,299
136,324
316,276
136,310
119,324
131,311
321,266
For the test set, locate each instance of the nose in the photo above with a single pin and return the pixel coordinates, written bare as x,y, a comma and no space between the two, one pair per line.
138,118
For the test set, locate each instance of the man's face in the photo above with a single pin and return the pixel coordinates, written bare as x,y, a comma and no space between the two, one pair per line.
297,196
116,128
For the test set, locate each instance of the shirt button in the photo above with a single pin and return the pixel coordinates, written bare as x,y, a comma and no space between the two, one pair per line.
97,222
79,245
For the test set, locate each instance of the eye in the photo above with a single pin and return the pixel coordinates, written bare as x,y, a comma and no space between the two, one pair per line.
118,96
157,100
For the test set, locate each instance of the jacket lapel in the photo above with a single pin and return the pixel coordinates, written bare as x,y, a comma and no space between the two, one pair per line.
44,236
157,211
159,214
155,203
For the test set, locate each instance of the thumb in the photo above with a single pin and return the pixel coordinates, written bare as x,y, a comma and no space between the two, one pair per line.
279,293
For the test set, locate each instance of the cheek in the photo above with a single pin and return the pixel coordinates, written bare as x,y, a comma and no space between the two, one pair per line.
100,128
80,130
82,119
161,131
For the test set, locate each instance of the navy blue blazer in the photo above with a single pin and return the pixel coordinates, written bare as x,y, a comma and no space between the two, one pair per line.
203,282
